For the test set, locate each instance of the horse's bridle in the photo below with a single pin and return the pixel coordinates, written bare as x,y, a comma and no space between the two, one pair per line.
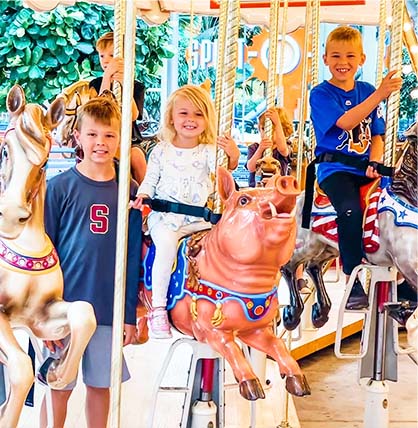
41,169
72,113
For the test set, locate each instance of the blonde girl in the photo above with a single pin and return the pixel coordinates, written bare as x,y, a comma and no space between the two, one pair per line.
179,170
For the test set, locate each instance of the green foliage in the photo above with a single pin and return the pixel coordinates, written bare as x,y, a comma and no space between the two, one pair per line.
46,52
408,106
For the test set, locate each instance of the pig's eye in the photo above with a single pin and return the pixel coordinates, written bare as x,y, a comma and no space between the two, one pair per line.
243,200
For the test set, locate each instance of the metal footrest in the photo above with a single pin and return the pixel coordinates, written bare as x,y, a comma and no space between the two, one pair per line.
373,274
199,351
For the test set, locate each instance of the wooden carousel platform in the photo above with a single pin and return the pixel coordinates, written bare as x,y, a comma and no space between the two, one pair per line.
307,339
146,360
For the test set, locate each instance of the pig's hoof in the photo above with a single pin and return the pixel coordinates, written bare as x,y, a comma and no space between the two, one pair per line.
297,385
251,389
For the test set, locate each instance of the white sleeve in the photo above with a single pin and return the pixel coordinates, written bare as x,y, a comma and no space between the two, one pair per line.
152,176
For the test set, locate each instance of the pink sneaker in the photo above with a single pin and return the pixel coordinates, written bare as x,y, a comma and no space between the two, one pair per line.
159,325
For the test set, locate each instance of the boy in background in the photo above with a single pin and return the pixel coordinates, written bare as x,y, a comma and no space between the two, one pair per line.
113,71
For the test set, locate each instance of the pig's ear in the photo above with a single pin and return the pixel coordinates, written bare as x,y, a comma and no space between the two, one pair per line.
226,185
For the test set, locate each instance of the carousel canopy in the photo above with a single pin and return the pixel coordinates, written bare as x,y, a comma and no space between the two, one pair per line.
360,12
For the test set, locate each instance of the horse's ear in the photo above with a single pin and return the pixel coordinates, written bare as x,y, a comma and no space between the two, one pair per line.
15,101
56,112
226,185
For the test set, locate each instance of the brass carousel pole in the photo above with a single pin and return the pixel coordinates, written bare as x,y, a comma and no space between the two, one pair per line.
315,65
280,94
394,98
304,91
223,18
267,166
272,68
123,198
381,43
228,63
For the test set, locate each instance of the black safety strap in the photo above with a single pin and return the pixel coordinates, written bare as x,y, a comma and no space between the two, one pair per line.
31,394
358,163
309,194
162,205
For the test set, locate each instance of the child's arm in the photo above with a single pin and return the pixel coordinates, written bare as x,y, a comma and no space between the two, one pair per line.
355,115
376,155
114,72
133,266
265,143
278,135
231,150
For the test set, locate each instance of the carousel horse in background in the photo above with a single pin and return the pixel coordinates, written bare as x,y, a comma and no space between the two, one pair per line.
224,288
396,210
31,282
78,94
74,97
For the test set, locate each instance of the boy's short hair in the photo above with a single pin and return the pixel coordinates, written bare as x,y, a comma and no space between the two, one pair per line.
104,41
102,109
345,34
287,125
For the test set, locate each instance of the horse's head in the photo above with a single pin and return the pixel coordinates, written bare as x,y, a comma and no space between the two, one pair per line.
258,223
404,182
23,154
74,96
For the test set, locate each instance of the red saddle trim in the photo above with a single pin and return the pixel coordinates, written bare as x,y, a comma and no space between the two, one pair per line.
327,227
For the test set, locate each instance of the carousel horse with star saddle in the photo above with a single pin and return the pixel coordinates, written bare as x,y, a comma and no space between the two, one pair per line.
223,286
390,236
31,284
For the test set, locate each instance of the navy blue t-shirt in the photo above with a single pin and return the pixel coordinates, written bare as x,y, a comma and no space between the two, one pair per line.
328,103
81,220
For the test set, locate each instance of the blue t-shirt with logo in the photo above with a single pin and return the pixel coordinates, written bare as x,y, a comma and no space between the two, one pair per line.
328,103
81,220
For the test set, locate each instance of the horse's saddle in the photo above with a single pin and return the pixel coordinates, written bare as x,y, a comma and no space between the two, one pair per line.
374,200
184,281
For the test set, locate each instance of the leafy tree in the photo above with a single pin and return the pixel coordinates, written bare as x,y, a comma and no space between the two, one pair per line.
46,52
408,106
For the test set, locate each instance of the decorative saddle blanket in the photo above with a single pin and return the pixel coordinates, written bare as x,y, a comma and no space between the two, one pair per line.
254,306
324,216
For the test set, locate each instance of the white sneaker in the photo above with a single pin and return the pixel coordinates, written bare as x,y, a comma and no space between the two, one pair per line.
159,325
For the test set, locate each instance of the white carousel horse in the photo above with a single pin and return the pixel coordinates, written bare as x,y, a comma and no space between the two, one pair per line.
31,282
398,225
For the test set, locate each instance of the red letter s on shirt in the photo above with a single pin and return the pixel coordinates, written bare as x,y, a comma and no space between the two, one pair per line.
99,218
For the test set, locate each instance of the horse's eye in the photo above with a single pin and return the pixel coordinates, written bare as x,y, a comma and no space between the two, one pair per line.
243,200
5,152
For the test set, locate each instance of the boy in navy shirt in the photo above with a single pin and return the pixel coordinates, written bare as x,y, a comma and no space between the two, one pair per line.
81,219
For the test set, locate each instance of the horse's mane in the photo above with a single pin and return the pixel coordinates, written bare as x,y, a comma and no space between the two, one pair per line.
32,134
405,180
74,96
80,87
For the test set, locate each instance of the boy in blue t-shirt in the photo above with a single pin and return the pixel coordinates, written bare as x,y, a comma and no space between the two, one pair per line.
349,129
81,210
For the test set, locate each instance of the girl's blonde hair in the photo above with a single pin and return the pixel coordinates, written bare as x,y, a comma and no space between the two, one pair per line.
102,109
200,98
287,125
